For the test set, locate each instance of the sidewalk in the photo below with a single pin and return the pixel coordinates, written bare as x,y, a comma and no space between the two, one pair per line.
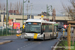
6,39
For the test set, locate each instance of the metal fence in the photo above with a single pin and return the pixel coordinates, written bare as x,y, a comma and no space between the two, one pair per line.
9,32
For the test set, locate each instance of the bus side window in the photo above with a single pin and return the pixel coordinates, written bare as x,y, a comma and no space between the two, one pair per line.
43,28
50,28
46,28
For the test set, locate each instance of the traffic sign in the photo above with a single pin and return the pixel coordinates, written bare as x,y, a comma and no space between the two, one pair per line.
42,16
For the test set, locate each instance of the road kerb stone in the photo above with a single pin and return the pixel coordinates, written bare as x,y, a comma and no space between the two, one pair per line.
4,42
56,45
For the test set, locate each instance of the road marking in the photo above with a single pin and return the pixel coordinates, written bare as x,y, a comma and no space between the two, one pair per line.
18,49
24,46
21,47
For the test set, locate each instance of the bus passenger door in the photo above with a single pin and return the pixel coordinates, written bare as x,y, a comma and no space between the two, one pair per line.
46,35
46,31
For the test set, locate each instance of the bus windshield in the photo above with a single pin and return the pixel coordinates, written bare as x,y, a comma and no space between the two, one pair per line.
33,27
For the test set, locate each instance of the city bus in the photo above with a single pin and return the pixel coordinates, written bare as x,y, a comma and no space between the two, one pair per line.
40,29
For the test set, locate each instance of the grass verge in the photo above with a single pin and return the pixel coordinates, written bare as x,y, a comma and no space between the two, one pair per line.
63,45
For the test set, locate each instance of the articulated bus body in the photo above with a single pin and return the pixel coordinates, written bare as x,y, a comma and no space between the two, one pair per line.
40,29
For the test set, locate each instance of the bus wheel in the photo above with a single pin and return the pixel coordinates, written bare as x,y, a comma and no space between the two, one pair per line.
57,34
56,37
28,39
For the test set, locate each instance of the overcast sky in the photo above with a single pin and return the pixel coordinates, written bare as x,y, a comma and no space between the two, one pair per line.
40,5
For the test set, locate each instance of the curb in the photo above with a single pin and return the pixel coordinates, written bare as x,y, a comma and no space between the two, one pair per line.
56,45
4,42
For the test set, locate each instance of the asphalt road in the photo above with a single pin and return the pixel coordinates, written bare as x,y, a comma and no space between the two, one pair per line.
23,44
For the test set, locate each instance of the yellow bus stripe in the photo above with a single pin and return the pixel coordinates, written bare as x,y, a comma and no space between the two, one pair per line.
35,35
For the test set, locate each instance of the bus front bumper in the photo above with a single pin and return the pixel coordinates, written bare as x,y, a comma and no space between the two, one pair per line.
32,37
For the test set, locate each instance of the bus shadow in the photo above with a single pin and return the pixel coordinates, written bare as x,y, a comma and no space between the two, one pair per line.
40,40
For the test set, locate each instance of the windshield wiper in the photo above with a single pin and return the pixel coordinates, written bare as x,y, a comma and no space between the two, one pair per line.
32,32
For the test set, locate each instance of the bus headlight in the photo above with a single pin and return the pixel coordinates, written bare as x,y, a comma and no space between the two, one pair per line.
25,34
39,35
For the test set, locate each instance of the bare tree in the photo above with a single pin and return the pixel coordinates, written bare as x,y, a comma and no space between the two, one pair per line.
53,15
21,9
16,6
4,7
10,6
0,6
71,9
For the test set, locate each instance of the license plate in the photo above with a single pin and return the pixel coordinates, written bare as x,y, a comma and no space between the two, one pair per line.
18,34
35,35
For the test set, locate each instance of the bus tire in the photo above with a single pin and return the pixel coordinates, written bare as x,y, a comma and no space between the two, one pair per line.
28,39
56,37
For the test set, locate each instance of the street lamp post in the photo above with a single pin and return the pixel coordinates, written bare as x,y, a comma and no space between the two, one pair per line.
31,10
23,11
6,15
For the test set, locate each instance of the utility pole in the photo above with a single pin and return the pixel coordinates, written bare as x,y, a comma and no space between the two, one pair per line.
6,15
27,9
31,10
23,11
